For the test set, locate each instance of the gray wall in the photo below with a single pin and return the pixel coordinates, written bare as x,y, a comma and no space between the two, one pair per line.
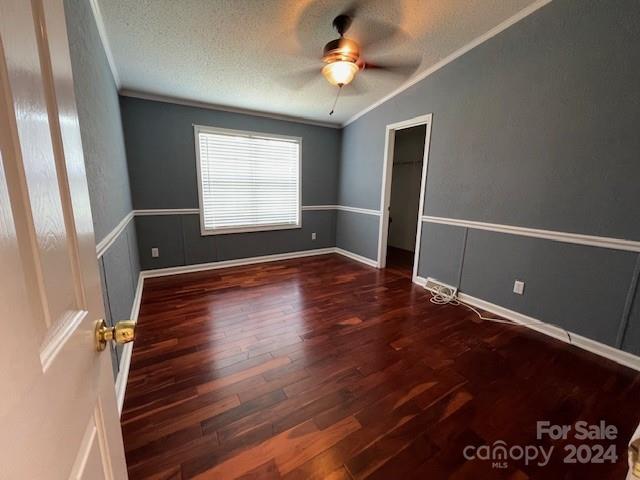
408,153
537,127
630,332
358,233
105,160
100,123
120,268
162,167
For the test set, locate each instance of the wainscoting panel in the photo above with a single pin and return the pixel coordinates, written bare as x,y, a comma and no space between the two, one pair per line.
358,233
180,242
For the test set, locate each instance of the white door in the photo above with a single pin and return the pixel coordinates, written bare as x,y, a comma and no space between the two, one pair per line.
58,416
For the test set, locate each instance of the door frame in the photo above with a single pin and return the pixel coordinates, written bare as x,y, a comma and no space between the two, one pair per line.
387,174
62,390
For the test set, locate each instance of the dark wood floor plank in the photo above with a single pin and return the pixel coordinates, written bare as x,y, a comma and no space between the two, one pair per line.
321,367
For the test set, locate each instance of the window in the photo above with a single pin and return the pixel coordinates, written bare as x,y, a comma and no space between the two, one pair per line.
247,181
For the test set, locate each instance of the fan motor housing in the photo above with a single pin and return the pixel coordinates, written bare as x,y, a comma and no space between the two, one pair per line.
341,49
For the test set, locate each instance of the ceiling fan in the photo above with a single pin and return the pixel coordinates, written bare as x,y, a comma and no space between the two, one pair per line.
343,57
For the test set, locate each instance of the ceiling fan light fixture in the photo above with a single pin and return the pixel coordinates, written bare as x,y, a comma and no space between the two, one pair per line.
340,73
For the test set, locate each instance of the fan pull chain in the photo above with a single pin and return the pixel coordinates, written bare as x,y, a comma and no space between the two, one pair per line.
336,100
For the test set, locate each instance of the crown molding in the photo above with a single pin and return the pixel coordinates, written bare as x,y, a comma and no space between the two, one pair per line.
125,92
209,106
458,53
106,46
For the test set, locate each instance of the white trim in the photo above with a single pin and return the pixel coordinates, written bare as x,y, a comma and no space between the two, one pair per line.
565,237
356,257
312,208
365,211
112,236
385,194
210,106
166,211
204,129
423,186
125,360
418,280
123,375
305,208
103,245
251,229
385,189
618,356
614,354
412,122
450,58
106,46
199,267
343,208
196,211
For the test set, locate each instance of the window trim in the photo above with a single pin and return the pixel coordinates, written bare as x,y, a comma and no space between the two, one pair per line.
197,129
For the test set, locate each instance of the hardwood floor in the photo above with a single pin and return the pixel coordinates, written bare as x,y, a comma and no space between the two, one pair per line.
321,367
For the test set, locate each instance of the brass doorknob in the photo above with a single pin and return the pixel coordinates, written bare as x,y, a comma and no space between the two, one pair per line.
122,332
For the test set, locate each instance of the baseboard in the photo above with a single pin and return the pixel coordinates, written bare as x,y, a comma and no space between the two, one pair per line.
418,280
200,267
619,356
356,257
424,283
125,359
593,346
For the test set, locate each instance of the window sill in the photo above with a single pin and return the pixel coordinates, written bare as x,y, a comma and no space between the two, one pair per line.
260,228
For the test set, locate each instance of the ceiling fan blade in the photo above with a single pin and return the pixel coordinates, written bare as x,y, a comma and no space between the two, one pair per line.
370,34
286,43
354,8
396,67
300,79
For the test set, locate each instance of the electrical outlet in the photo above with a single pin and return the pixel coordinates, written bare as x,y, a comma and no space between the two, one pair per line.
313,236
155,252
518,287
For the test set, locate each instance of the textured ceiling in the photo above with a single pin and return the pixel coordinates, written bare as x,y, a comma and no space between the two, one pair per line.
244,53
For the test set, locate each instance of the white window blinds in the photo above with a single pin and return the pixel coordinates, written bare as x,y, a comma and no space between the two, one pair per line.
248,181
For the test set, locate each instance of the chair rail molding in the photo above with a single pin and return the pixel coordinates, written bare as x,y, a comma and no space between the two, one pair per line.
565,237
103,245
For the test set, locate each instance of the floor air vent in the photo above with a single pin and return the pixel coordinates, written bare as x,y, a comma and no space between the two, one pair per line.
436,286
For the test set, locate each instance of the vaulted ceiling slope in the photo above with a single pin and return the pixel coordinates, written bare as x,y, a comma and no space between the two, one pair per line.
246,54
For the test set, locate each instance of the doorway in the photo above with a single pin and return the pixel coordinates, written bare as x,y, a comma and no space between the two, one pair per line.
408,156
404,180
